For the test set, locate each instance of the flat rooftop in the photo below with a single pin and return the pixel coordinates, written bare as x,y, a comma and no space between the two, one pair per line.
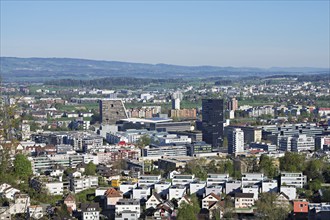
144,120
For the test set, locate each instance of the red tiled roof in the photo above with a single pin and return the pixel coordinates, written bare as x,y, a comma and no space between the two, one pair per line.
112,192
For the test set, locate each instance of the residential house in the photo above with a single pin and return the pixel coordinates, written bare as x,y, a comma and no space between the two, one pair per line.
290,191
21,204
112,197
300,208
210,200
214,188
244,200
141,192
90,211
128,205
35,212
153,201
7,191
70,202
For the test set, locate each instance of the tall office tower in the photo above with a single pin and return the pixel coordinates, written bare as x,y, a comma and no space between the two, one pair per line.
212,122
112,110
176,104
232,104
235,141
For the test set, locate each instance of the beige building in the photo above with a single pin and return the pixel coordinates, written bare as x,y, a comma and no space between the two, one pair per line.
244,200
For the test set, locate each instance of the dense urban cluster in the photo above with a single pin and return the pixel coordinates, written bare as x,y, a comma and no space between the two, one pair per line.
200,151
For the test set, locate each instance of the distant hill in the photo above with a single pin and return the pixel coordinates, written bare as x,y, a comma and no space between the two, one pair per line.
41,69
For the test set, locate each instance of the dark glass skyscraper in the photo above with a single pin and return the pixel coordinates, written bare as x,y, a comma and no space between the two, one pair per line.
213,119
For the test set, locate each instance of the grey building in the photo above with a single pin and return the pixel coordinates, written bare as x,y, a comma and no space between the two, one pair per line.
112,110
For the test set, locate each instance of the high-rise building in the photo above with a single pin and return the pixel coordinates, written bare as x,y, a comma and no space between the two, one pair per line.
232,104
112,110
176,104
212,122
235,141
177,95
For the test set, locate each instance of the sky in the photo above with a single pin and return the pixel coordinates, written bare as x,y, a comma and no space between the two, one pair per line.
219,33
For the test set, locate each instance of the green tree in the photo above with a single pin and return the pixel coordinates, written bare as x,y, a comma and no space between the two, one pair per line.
90,169
268,208
186,212
22,167
189,211
266,165
292,162
143,141
196,167
314,169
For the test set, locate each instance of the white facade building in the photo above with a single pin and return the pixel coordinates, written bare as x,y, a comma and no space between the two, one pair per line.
82,183
293,179
235,141
177,192
128,205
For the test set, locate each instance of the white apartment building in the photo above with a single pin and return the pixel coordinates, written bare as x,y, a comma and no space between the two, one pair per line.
293,179
197,187
254,189
162,187
290,191
215,179
128,205
302,143
216,189
141,192
182,179
177,192
127,187
148,180
269,186
82,183
54,188
252,178
235,141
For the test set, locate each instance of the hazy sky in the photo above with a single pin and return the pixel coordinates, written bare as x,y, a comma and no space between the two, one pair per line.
239,33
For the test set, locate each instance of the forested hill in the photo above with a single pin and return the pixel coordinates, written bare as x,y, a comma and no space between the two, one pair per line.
41,69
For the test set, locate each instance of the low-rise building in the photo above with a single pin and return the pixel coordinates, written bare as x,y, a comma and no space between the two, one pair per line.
128,205
216,179
35,212
269,186
252,178
290,191
153,201
293,179
233,187
127,187
82,183
197,187
162,187
216,189
177,191
141,192
148,180
182,179
90,211
209,200
254,189
244,200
